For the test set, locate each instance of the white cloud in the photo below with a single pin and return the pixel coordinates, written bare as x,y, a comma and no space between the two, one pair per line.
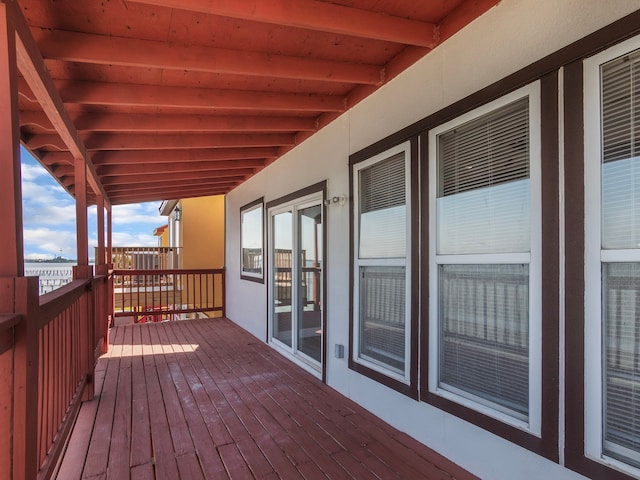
37,256
137,213
50,214
31,172
49,242
124,239
49,217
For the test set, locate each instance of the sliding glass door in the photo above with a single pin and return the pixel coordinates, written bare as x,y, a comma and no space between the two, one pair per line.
296,279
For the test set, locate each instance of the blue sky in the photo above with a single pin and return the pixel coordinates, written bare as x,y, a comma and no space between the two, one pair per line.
49,217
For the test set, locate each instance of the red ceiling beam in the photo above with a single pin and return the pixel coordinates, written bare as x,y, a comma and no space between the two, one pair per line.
107,50
124,122
105,141
168,195
173,178
103,122
152,189
96,93
36,118
315,15
189,184
149,188
119,157
168,181
176,141
32,68
138,169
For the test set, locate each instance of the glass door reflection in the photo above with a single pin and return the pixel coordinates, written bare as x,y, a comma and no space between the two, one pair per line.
282,262
309,282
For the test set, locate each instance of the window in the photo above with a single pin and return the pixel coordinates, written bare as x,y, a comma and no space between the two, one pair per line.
382,327
612,271
251,233
485,260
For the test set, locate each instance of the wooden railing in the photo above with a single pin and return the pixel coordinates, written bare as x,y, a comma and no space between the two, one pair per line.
162,295
48,351
145,258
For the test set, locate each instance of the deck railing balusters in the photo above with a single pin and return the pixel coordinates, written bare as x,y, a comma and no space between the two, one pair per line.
48,345
155,295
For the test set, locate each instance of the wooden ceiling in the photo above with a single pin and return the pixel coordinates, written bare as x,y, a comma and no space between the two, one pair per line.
181,98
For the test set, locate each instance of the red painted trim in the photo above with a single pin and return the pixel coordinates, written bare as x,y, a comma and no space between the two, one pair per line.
11,237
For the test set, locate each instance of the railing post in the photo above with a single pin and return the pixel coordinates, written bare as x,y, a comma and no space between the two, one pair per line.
25,385
224,293
103,306
87,329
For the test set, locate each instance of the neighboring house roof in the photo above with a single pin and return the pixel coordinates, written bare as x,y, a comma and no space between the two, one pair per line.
158,231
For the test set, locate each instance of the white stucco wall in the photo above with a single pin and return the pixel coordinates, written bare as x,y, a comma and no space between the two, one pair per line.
510,36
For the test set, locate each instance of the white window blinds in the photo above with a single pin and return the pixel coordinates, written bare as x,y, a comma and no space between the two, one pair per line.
484,334
490,150
620,104
382,188
381,326
621,311
620,87
382,315
483,201
621,153
483,192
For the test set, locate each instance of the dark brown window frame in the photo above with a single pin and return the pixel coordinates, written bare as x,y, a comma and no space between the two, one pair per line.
575,281
411,389
243,209
547,444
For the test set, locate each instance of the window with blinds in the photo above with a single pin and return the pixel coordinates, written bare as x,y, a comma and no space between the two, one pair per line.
382,201
621,152
484,334
481,269
486,151
620,170
382,315
381,288
483,183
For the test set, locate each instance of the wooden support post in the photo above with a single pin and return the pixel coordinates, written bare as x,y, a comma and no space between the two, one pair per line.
110,299
100,254
11,253
82,231
101,293
25,387
109,236
83,271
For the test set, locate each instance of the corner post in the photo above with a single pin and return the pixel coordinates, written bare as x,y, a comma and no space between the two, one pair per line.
26,461
11,239
84,271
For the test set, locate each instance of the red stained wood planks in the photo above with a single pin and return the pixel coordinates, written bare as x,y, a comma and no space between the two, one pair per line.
207,400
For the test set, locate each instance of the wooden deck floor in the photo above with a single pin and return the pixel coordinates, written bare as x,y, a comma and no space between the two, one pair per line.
203,399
